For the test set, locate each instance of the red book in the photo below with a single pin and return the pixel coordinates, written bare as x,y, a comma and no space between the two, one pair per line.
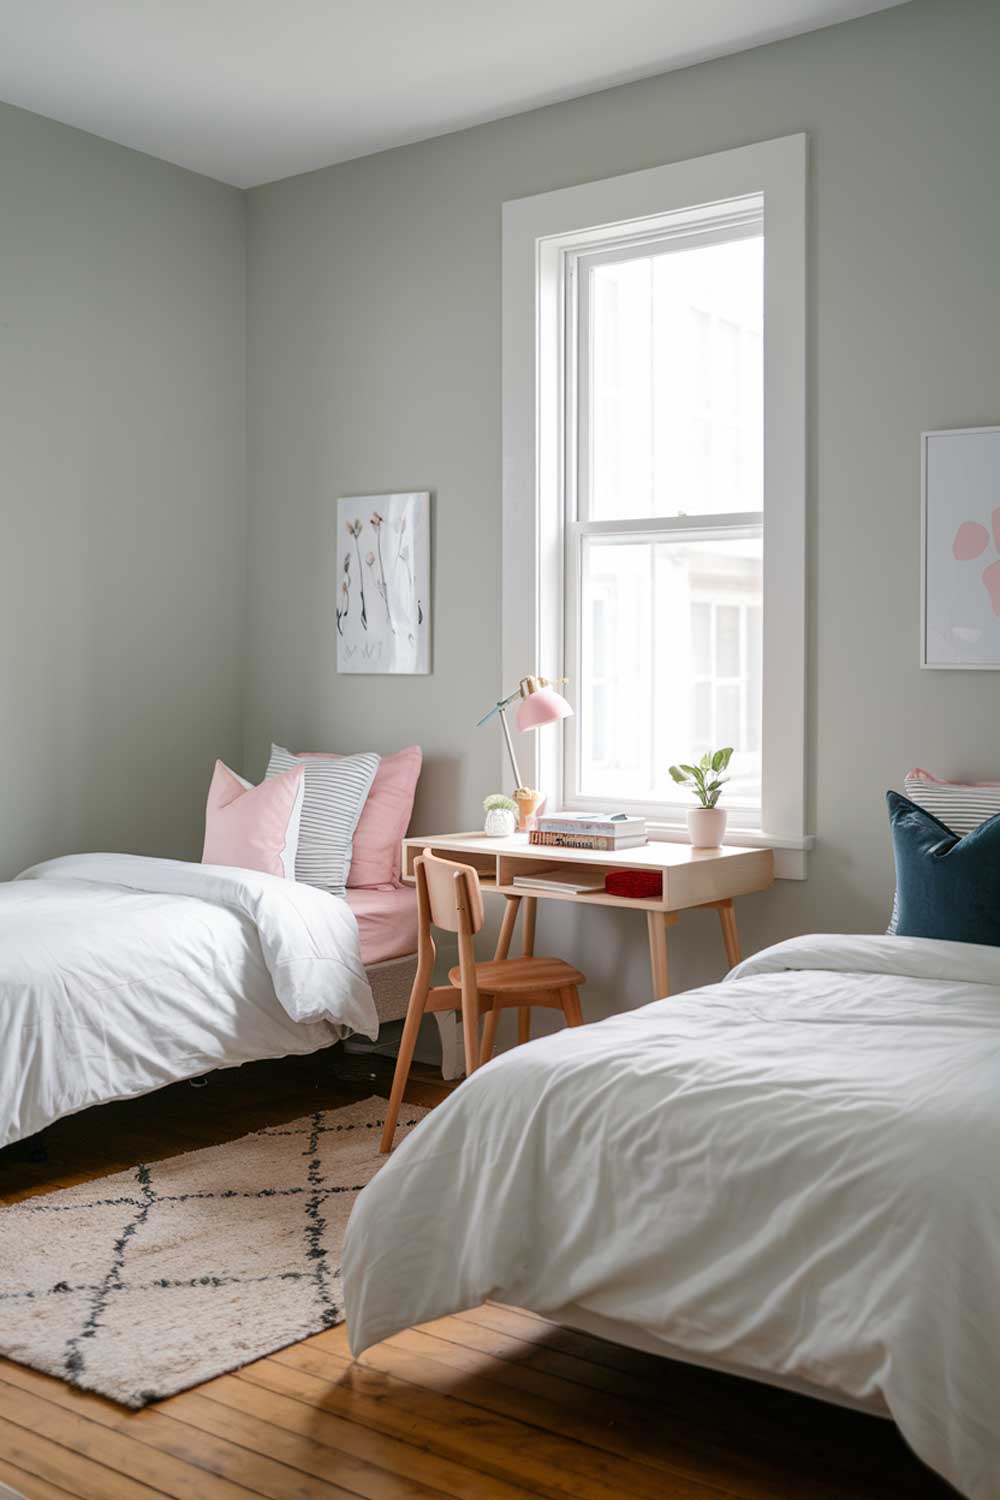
634,883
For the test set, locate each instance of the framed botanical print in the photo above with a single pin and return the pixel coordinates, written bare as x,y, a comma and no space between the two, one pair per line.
383,583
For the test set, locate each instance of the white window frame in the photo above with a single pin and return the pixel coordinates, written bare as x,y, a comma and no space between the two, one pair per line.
731,222
542,237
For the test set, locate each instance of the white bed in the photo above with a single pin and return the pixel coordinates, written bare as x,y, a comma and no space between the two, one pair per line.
120,974
793,1175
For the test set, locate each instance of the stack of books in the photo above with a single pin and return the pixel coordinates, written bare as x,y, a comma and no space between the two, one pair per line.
604,831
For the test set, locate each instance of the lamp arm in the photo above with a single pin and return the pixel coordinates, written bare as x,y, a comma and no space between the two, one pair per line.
510,745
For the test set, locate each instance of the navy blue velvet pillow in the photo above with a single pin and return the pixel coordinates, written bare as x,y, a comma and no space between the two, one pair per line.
948,887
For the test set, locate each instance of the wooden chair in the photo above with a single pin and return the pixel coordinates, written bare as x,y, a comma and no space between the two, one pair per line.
449,897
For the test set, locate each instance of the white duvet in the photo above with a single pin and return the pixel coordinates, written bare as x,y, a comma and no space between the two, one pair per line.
119,974
794,1173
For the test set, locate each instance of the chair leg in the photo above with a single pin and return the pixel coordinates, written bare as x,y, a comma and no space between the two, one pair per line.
528,950
414,1016
571,1006
470,1028
489,1033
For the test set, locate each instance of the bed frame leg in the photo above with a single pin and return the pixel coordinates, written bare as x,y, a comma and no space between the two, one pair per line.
452,1044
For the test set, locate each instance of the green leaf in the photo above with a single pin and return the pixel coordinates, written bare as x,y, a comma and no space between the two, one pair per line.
704,779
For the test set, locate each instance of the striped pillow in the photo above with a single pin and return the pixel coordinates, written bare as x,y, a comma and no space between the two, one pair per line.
335,794
960,806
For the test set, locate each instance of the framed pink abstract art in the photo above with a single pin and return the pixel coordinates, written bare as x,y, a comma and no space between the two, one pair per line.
960,560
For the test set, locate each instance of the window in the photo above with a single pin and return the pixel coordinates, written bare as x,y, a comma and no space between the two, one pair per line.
663,534
654,483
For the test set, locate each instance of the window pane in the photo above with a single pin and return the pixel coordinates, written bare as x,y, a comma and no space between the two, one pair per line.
727,640
676,382
614,712
679,669
727,715
703,727
701,638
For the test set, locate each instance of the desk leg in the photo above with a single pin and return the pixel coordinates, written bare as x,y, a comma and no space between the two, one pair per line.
528,949
528,933
730,933
511,905
656,921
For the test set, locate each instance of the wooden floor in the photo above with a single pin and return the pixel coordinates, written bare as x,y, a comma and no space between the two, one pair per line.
494,1404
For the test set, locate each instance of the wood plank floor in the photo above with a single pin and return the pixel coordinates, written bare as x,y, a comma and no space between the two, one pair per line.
493,1404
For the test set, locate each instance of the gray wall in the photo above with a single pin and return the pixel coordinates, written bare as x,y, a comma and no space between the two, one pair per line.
374,340
374,361
122,458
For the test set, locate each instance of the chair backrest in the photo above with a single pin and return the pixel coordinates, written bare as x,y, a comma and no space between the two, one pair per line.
453,898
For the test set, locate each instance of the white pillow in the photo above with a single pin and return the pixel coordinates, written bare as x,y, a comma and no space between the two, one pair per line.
334,797
959,805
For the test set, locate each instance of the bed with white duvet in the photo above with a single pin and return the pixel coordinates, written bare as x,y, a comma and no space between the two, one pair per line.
793,1175
119,974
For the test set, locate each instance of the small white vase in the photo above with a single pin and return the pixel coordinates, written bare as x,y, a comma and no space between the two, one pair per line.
500,823
706,826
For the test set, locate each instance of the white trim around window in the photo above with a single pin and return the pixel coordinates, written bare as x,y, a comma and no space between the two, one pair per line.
543,239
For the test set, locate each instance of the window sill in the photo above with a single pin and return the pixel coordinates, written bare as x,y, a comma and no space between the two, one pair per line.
789,852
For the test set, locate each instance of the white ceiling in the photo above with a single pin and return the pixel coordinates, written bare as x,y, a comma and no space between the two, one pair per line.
252,90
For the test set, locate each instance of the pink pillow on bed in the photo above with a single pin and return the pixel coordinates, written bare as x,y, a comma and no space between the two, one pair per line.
385,817
253,827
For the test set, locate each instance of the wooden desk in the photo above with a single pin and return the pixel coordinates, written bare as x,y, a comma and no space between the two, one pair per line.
692,879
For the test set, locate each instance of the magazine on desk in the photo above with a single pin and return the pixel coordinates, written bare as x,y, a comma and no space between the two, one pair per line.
564,882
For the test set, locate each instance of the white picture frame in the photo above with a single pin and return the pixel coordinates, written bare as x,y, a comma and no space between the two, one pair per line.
383,583
960,549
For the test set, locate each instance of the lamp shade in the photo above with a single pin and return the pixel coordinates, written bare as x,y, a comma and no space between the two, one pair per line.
543,706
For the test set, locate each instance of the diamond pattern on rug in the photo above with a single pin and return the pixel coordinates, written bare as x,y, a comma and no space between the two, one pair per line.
142,1284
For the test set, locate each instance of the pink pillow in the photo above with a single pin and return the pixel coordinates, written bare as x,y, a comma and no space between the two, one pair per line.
385,817
254,827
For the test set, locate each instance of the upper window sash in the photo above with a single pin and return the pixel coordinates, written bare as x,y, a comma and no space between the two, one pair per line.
718,228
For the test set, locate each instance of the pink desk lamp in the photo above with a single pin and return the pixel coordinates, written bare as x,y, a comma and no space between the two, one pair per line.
540,704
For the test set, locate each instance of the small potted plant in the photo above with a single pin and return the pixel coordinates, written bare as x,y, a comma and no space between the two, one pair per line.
501,815
707,822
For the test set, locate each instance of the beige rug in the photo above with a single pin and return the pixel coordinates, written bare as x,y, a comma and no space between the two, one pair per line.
142,1284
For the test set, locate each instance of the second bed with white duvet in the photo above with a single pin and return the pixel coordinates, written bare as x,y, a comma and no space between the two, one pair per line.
794,1174
119,974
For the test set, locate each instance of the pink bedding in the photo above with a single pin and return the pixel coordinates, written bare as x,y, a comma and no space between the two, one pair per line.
387,922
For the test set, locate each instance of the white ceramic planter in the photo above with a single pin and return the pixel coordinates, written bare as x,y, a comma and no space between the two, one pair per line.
706,826
500,823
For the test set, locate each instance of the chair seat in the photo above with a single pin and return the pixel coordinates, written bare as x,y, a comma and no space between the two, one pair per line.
513,976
